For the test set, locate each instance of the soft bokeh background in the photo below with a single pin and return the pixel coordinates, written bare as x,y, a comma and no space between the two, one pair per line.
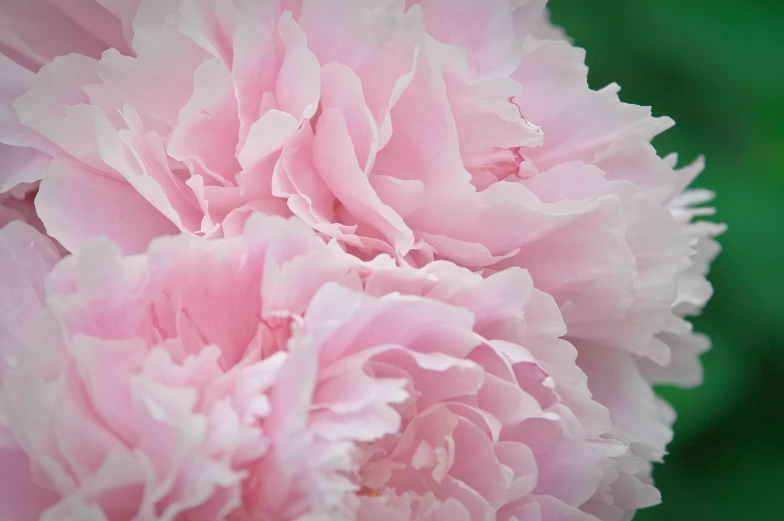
717,68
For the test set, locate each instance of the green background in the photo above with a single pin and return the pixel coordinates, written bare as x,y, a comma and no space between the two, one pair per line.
717,68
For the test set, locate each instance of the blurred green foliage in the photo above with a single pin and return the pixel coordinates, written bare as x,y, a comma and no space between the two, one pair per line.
717,68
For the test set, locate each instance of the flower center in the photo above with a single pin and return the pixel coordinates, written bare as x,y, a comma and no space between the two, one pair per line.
369,492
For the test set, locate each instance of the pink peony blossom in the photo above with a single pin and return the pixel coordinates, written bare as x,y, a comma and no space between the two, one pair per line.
438,130
271,376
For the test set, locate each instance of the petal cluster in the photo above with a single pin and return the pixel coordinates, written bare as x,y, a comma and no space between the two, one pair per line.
273,376
489,218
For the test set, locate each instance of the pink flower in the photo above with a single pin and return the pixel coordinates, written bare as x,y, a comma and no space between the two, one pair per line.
270,376
436,130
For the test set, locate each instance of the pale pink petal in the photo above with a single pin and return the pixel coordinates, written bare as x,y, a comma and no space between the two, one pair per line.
555,69
208,125
211,24
72,194
20,495
21,160
57,107
485,31
139,158
614,379
385,60
27,257
336,162
34,32
424,144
